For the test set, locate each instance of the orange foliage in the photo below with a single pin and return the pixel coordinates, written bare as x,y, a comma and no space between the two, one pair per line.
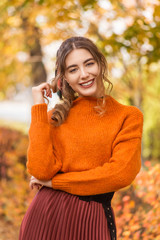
137,207
15,194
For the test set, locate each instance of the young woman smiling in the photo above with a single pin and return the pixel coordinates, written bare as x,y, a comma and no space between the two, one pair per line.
81,152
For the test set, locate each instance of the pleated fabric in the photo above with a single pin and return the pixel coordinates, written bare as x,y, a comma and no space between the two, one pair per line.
57,215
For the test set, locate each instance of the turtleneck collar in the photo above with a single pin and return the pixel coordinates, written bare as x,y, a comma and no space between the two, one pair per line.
87,98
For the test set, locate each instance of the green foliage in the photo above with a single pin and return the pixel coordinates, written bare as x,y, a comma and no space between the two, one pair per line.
87,4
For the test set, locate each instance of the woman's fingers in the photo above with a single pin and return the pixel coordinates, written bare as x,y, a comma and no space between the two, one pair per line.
40,88
36,186
40,91
47,88
35,183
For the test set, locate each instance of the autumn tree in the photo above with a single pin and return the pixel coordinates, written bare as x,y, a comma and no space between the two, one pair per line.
127,32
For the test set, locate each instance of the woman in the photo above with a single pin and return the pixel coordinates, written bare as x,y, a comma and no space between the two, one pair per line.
81,152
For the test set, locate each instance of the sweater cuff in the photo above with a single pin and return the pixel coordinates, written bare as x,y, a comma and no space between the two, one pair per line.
39,113
60,185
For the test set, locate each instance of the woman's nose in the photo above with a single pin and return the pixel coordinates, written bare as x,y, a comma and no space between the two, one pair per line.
84,73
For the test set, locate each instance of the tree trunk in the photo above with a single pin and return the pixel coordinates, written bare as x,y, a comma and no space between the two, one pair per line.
33,45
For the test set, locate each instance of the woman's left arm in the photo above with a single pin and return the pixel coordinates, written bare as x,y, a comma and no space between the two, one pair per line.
119,172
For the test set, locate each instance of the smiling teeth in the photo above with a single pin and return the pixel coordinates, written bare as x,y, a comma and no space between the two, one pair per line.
88,83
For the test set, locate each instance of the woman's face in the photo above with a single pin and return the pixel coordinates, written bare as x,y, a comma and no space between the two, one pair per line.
82,73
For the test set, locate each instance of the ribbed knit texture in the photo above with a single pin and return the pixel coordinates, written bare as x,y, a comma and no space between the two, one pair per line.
93,154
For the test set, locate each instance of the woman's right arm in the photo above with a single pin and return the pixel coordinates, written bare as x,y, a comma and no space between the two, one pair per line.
42,162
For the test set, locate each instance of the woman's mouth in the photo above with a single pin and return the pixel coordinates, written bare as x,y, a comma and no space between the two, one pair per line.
87,84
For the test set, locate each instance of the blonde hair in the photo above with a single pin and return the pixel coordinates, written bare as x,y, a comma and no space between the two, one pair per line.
61,110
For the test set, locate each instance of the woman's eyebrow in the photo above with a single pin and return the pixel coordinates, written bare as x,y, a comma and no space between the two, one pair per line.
75,65
89,59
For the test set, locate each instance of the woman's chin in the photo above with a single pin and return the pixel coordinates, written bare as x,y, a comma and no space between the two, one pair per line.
88,92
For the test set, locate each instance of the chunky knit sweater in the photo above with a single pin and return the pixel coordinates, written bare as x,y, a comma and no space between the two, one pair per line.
88,154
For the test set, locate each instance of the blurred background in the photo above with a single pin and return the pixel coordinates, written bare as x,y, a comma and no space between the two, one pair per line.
128,34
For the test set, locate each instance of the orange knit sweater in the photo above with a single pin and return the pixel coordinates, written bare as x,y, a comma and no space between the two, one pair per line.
87,154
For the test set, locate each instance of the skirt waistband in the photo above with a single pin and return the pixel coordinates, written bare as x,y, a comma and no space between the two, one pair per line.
101,198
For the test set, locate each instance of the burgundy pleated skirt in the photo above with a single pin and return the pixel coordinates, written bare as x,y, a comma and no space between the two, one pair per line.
57,215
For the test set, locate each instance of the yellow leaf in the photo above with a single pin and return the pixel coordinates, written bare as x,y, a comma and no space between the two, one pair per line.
132,204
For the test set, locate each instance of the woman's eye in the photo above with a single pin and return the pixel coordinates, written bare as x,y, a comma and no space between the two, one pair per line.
73,70
90,63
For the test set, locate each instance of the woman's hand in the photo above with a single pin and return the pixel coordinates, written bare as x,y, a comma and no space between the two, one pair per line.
39,91
35,183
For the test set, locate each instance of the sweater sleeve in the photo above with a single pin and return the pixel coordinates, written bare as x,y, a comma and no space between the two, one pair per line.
42,162
118,172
